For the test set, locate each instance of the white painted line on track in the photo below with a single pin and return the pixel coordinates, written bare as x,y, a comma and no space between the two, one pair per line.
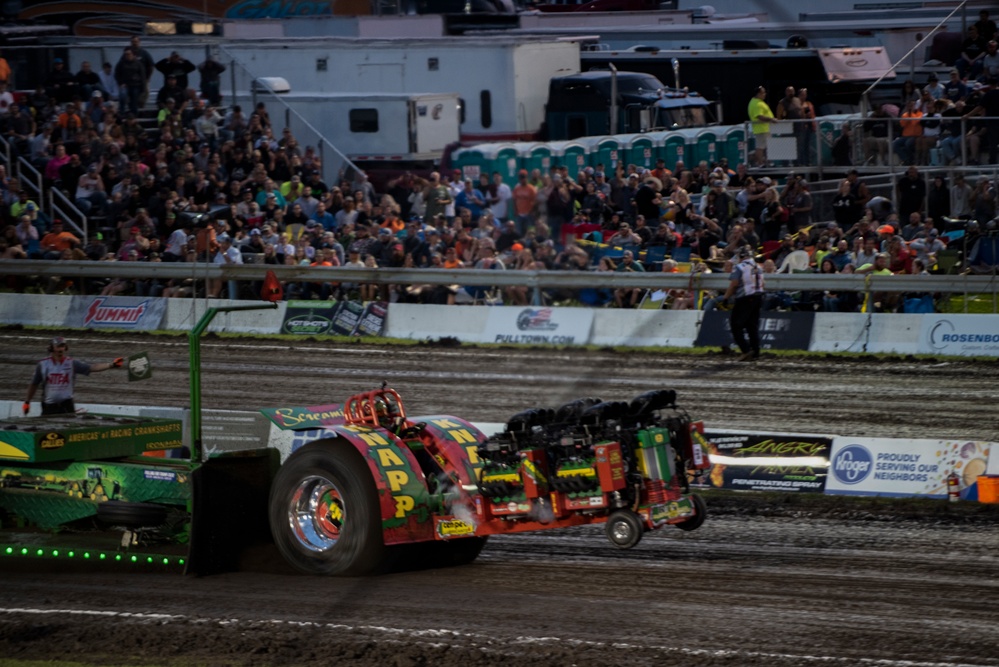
433,633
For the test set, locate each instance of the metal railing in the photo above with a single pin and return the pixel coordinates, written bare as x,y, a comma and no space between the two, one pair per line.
31,180
335,164
953,284
62,207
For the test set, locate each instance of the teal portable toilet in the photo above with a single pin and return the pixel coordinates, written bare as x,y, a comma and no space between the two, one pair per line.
706,147
506,160
573,155
674,149
487,158
605,150
473,160
537,156
733,145
640,150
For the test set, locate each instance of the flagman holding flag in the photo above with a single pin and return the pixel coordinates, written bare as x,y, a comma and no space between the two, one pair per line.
56,375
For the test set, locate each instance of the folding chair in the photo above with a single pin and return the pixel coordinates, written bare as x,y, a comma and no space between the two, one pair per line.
681,254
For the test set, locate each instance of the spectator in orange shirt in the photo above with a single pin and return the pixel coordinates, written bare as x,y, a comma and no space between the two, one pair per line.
393,223
70,122
525,199
451,260
58,240
912,129
207,243
6,75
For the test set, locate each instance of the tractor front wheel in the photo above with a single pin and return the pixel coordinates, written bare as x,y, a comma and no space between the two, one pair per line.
324,511
700,513
624,529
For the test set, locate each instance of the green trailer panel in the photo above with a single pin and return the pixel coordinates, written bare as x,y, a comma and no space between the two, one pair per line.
82,437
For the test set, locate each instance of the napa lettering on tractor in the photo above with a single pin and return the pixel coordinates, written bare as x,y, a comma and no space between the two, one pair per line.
366,487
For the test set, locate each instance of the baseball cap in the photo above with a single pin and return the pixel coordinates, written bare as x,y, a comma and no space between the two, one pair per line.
96,93
766,180
886,229
384,230
934,232
58,341
224,238
254,232
57,61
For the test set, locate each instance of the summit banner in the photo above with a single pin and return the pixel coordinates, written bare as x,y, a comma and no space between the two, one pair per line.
115,312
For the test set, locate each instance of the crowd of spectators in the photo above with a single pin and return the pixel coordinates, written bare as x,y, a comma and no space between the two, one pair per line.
956,119
191,182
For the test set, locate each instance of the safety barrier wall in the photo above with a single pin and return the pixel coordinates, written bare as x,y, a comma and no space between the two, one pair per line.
941,334
745,460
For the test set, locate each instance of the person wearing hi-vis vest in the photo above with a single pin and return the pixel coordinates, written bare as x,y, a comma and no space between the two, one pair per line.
746,287
56,375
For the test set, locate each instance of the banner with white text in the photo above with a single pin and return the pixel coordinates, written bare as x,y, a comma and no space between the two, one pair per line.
766,461
115,312
901,467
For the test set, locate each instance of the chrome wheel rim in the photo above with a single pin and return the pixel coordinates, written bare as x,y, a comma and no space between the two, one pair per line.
621,531
316,513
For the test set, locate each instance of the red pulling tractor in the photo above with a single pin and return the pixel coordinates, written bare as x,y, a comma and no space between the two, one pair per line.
365,481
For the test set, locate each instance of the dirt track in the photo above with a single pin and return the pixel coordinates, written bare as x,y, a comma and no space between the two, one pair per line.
766,581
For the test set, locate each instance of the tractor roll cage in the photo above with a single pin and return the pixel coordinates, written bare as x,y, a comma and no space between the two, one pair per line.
360,409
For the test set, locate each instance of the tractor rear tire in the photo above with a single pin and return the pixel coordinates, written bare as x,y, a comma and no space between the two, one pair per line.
131,515
694,522
324,511
624,529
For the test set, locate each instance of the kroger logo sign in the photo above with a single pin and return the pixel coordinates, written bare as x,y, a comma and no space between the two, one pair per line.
852,464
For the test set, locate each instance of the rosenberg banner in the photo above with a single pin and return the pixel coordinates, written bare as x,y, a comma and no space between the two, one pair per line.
900,467
115,312
344,318
778,331
538,326
767,461
969,335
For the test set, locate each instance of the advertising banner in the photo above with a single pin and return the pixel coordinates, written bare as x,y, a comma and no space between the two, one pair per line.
346,317
778,331
969,335
309,318
901,467
115,312
343,318
766,461
538,326
372,320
